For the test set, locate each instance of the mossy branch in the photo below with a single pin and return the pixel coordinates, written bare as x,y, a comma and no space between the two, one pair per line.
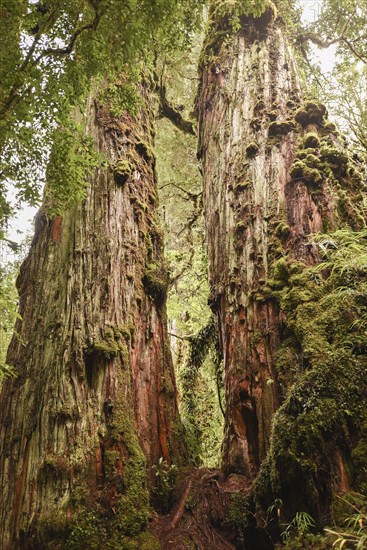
167,110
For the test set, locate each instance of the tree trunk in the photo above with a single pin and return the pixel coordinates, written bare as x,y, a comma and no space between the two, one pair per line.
261,203
94,403
249,82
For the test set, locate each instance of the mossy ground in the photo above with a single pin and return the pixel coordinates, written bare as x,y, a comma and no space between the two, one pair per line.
92,533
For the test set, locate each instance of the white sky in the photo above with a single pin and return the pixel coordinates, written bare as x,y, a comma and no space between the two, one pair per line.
311,12
21,224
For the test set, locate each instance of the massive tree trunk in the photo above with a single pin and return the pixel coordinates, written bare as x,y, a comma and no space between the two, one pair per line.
268,185
94,402
247,82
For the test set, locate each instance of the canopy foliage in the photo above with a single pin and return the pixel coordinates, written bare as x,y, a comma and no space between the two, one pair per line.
52,53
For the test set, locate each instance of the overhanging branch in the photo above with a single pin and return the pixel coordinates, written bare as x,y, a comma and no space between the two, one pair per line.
324,44
172,113
168,111
30,62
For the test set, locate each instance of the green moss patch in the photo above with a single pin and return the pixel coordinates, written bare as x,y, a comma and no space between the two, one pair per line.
359,457
322,364
227,17
111,346
123,169
334,156
110,458
311,141
323,165
312,112
88,532
106,348
145,541
145,150
301,171
156,281
282,230
238,515
280,128
330,128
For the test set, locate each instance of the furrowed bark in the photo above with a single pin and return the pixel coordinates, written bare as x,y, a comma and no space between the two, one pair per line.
245,176
94,404
261,205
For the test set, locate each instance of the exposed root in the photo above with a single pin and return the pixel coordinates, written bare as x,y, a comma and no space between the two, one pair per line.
201,517
181,507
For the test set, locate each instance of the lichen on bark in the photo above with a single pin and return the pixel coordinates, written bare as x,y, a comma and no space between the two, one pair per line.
94,404
275,173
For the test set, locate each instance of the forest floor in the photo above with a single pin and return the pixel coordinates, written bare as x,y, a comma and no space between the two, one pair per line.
209,513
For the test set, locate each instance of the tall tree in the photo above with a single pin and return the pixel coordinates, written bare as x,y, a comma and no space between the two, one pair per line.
94,401
275,174
93,406
248,80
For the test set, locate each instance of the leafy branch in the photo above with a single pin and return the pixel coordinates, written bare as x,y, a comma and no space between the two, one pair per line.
30,62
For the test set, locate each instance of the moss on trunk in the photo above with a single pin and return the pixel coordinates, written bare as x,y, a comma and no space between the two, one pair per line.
276,172
94,404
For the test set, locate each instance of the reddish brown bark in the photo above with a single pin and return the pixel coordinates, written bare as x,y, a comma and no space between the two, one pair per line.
248,137
95,377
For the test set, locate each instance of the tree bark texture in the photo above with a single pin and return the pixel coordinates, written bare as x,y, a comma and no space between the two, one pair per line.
258,210
95,395
250,76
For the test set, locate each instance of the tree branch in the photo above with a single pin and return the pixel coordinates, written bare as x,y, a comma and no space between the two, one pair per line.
168,111
181,506
49,52
185,338
315,39
190,195
354,51
310,36
55,52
